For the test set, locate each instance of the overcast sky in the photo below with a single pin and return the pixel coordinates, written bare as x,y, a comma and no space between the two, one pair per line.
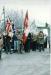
38,9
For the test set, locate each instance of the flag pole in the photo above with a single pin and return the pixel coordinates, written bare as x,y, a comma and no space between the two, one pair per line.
4,15
22,20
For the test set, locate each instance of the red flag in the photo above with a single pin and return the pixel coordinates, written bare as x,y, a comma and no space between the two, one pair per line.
26,20
25,28
24,37
8,26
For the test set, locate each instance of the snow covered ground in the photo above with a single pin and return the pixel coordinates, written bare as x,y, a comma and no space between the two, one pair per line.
33,63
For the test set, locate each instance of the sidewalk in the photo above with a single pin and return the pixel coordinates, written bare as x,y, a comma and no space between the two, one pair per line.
33,63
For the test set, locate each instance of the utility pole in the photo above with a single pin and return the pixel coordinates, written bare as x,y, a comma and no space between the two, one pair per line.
4,16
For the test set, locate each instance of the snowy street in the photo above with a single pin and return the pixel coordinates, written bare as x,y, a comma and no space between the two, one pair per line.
25,25
33,63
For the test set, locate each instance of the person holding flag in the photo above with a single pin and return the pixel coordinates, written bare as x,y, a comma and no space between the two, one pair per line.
24,37
9,35
26,31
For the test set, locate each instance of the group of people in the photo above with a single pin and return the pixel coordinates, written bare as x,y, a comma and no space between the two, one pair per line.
15,42
35,42
12,43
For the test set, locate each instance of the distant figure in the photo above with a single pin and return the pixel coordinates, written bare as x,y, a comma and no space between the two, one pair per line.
1,44
40,40
34,47
45,41
19,43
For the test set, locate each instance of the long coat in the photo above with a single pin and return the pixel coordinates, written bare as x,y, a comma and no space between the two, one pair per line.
40,38
1,42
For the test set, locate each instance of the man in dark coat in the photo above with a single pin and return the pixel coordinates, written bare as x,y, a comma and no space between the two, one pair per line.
15,42
8,44
34,47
